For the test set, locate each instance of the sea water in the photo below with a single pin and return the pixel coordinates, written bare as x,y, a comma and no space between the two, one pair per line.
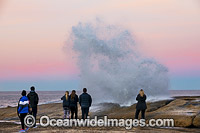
11,98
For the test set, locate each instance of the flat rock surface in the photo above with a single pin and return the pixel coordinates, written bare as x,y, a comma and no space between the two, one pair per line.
184,111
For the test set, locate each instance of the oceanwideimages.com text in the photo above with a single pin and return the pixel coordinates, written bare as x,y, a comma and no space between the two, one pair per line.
101,122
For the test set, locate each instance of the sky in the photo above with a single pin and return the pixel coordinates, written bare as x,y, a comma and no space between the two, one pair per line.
33,34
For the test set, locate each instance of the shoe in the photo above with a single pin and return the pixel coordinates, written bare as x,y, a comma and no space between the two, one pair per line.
27,129
22,130
35,127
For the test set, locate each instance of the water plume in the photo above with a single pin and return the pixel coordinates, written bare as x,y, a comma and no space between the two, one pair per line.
111,67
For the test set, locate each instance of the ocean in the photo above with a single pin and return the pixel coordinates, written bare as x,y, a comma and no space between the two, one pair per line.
10,98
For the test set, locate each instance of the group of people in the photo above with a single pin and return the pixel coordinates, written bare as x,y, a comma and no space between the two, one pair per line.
70,104
85,101
28,104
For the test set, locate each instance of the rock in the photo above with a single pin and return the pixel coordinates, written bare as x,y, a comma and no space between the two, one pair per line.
179,120
196,121
152,106
183,111
183,121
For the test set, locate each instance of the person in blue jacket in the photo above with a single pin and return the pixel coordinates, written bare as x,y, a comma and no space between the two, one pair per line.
23,108
66,104
85,101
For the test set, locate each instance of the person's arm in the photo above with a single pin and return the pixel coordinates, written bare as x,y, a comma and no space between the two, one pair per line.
145,97
80,100
76,99
90,100
29,107
18,108
69,100
138,97
62,97
28,96
37,99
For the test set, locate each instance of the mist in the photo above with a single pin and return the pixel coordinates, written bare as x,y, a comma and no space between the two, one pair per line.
111,67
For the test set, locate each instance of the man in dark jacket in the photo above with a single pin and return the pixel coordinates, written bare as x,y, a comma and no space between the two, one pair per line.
85,102
34,99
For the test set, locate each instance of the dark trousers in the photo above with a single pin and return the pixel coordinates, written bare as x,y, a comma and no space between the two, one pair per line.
74,111
84,112
22,116
137,113
34,113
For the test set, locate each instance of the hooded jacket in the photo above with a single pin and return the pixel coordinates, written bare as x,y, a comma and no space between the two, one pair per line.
33,98
23,105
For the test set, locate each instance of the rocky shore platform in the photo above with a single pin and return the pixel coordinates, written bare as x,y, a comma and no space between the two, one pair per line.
184,110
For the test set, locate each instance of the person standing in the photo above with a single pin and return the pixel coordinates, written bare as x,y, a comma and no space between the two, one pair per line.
85,101
23,109
141,105
66,105
73,104
34,99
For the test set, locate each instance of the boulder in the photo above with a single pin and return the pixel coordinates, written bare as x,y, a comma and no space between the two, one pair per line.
196,121
183,121
179,120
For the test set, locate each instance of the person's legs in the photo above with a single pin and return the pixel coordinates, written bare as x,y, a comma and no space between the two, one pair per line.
76,112
34,110
82,110
83,113
137,113
86,112
22,121
143,114
22,116
72,112
68,113
65,112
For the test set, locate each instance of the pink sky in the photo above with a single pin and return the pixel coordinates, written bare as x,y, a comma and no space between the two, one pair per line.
33,33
